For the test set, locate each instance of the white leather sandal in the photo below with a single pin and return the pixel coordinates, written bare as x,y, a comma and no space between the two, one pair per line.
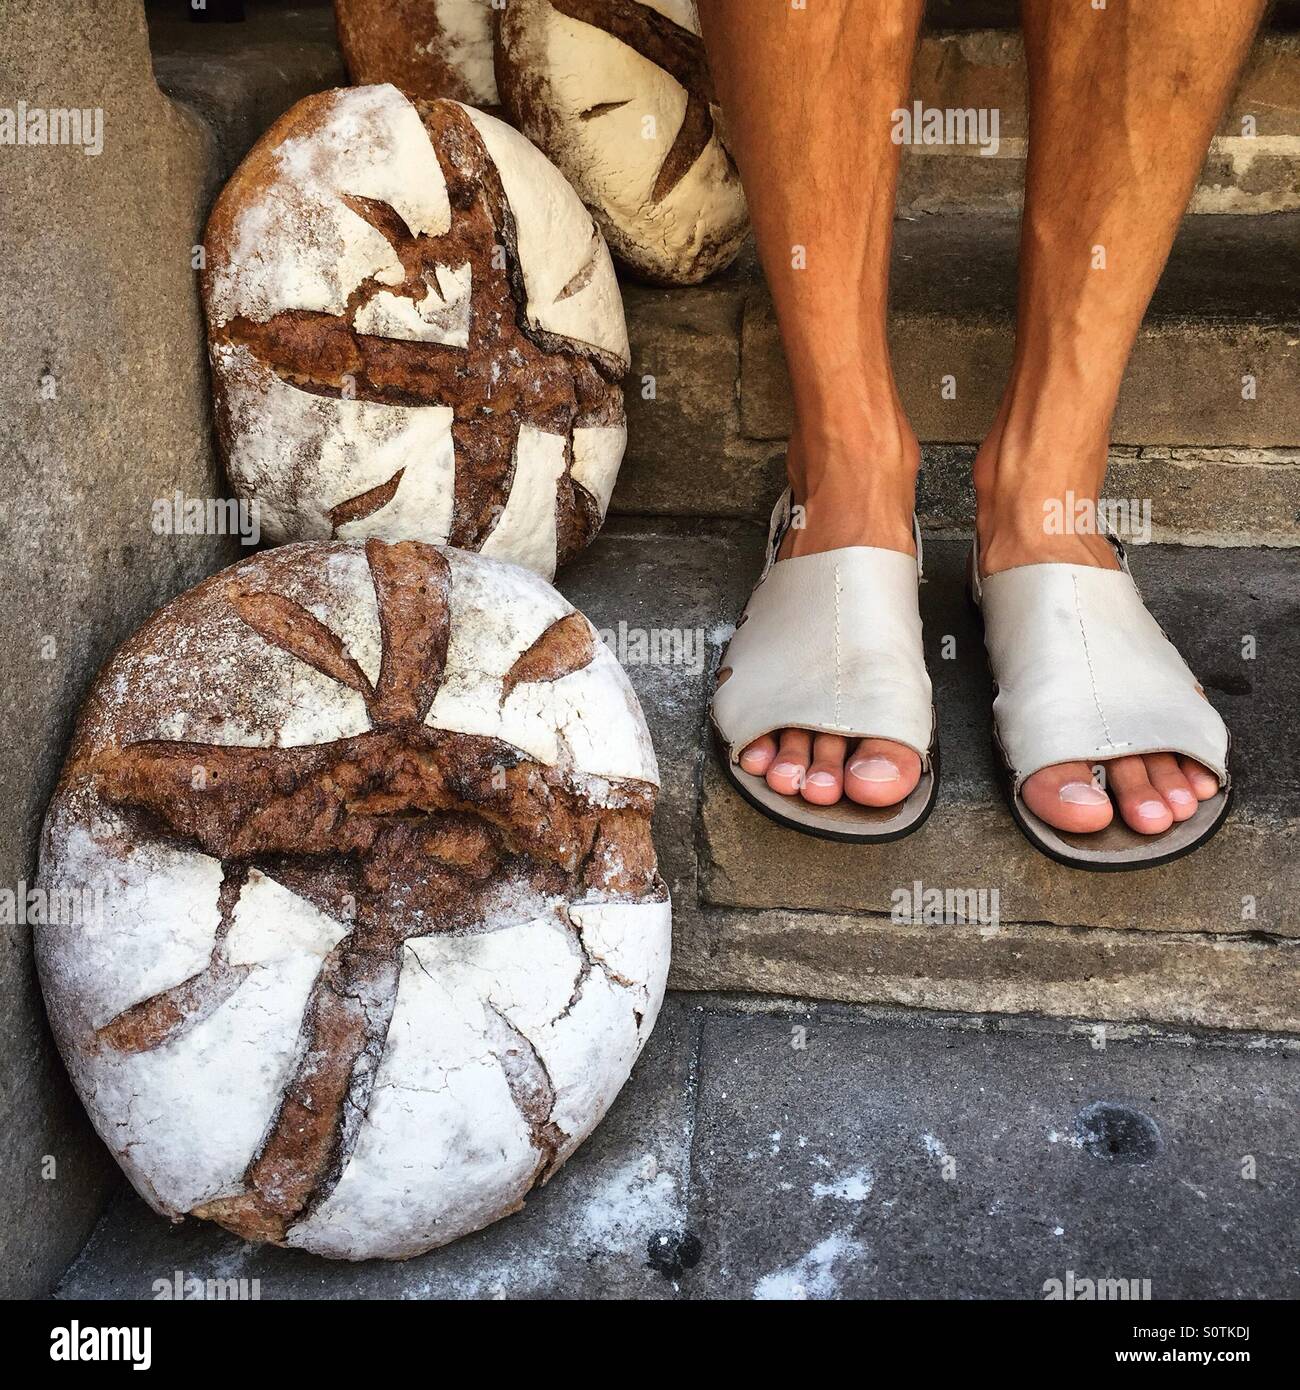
830,643
1083,672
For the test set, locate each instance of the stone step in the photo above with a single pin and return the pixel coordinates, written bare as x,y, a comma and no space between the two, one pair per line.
1211,940
1206,426
1253,164
779,1150
240,77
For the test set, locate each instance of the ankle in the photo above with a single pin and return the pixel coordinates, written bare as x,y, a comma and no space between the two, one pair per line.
858,456
1021,448
1027,465
872,507
1023,526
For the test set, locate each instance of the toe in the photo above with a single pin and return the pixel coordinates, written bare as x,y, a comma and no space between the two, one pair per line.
757,758
1201,780
791,763
881,773
1066,797
825,780
1140,804
1167,778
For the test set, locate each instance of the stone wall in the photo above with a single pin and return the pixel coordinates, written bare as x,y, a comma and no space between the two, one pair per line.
103,409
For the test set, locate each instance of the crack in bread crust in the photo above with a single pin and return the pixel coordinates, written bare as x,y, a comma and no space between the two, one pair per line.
531,1089
404,831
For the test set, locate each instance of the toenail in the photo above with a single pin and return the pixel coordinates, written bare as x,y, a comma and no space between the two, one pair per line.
1180,797
875,770
820,779
787,769
1082,794
1152,810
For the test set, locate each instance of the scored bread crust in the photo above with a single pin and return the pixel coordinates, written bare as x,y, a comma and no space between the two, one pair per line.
382,930
415,331
427,48
618,94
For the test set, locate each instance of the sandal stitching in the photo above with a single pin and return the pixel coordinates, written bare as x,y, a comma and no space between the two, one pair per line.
1092,675
837,720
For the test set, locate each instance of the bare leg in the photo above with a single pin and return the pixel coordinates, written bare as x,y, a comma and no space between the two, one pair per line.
808,96
1123,102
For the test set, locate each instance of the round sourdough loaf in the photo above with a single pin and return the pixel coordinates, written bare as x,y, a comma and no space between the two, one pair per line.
428,48
380,931
618,94
415,333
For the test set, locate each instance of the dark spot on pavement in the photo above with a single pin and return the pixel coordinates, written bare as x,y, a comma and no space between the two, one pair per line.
674,1252
1118,1133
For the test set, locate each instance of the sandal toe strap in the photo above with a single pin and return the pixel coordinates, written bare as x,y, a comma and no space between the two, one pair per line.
1085,673
830,643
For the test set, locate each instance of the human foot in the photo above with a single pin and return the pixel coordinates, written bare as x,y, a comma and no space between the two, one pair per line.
822,768
1152,791
843,505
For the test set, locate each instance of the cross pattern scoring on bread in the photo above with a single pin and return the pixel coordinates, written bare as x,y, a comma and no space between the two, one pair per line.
399,832
508,375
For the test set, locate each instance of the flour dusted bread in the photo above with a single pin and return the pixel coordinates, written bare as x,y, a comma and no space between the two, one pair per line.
428,48
381,930
618,94
415,333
